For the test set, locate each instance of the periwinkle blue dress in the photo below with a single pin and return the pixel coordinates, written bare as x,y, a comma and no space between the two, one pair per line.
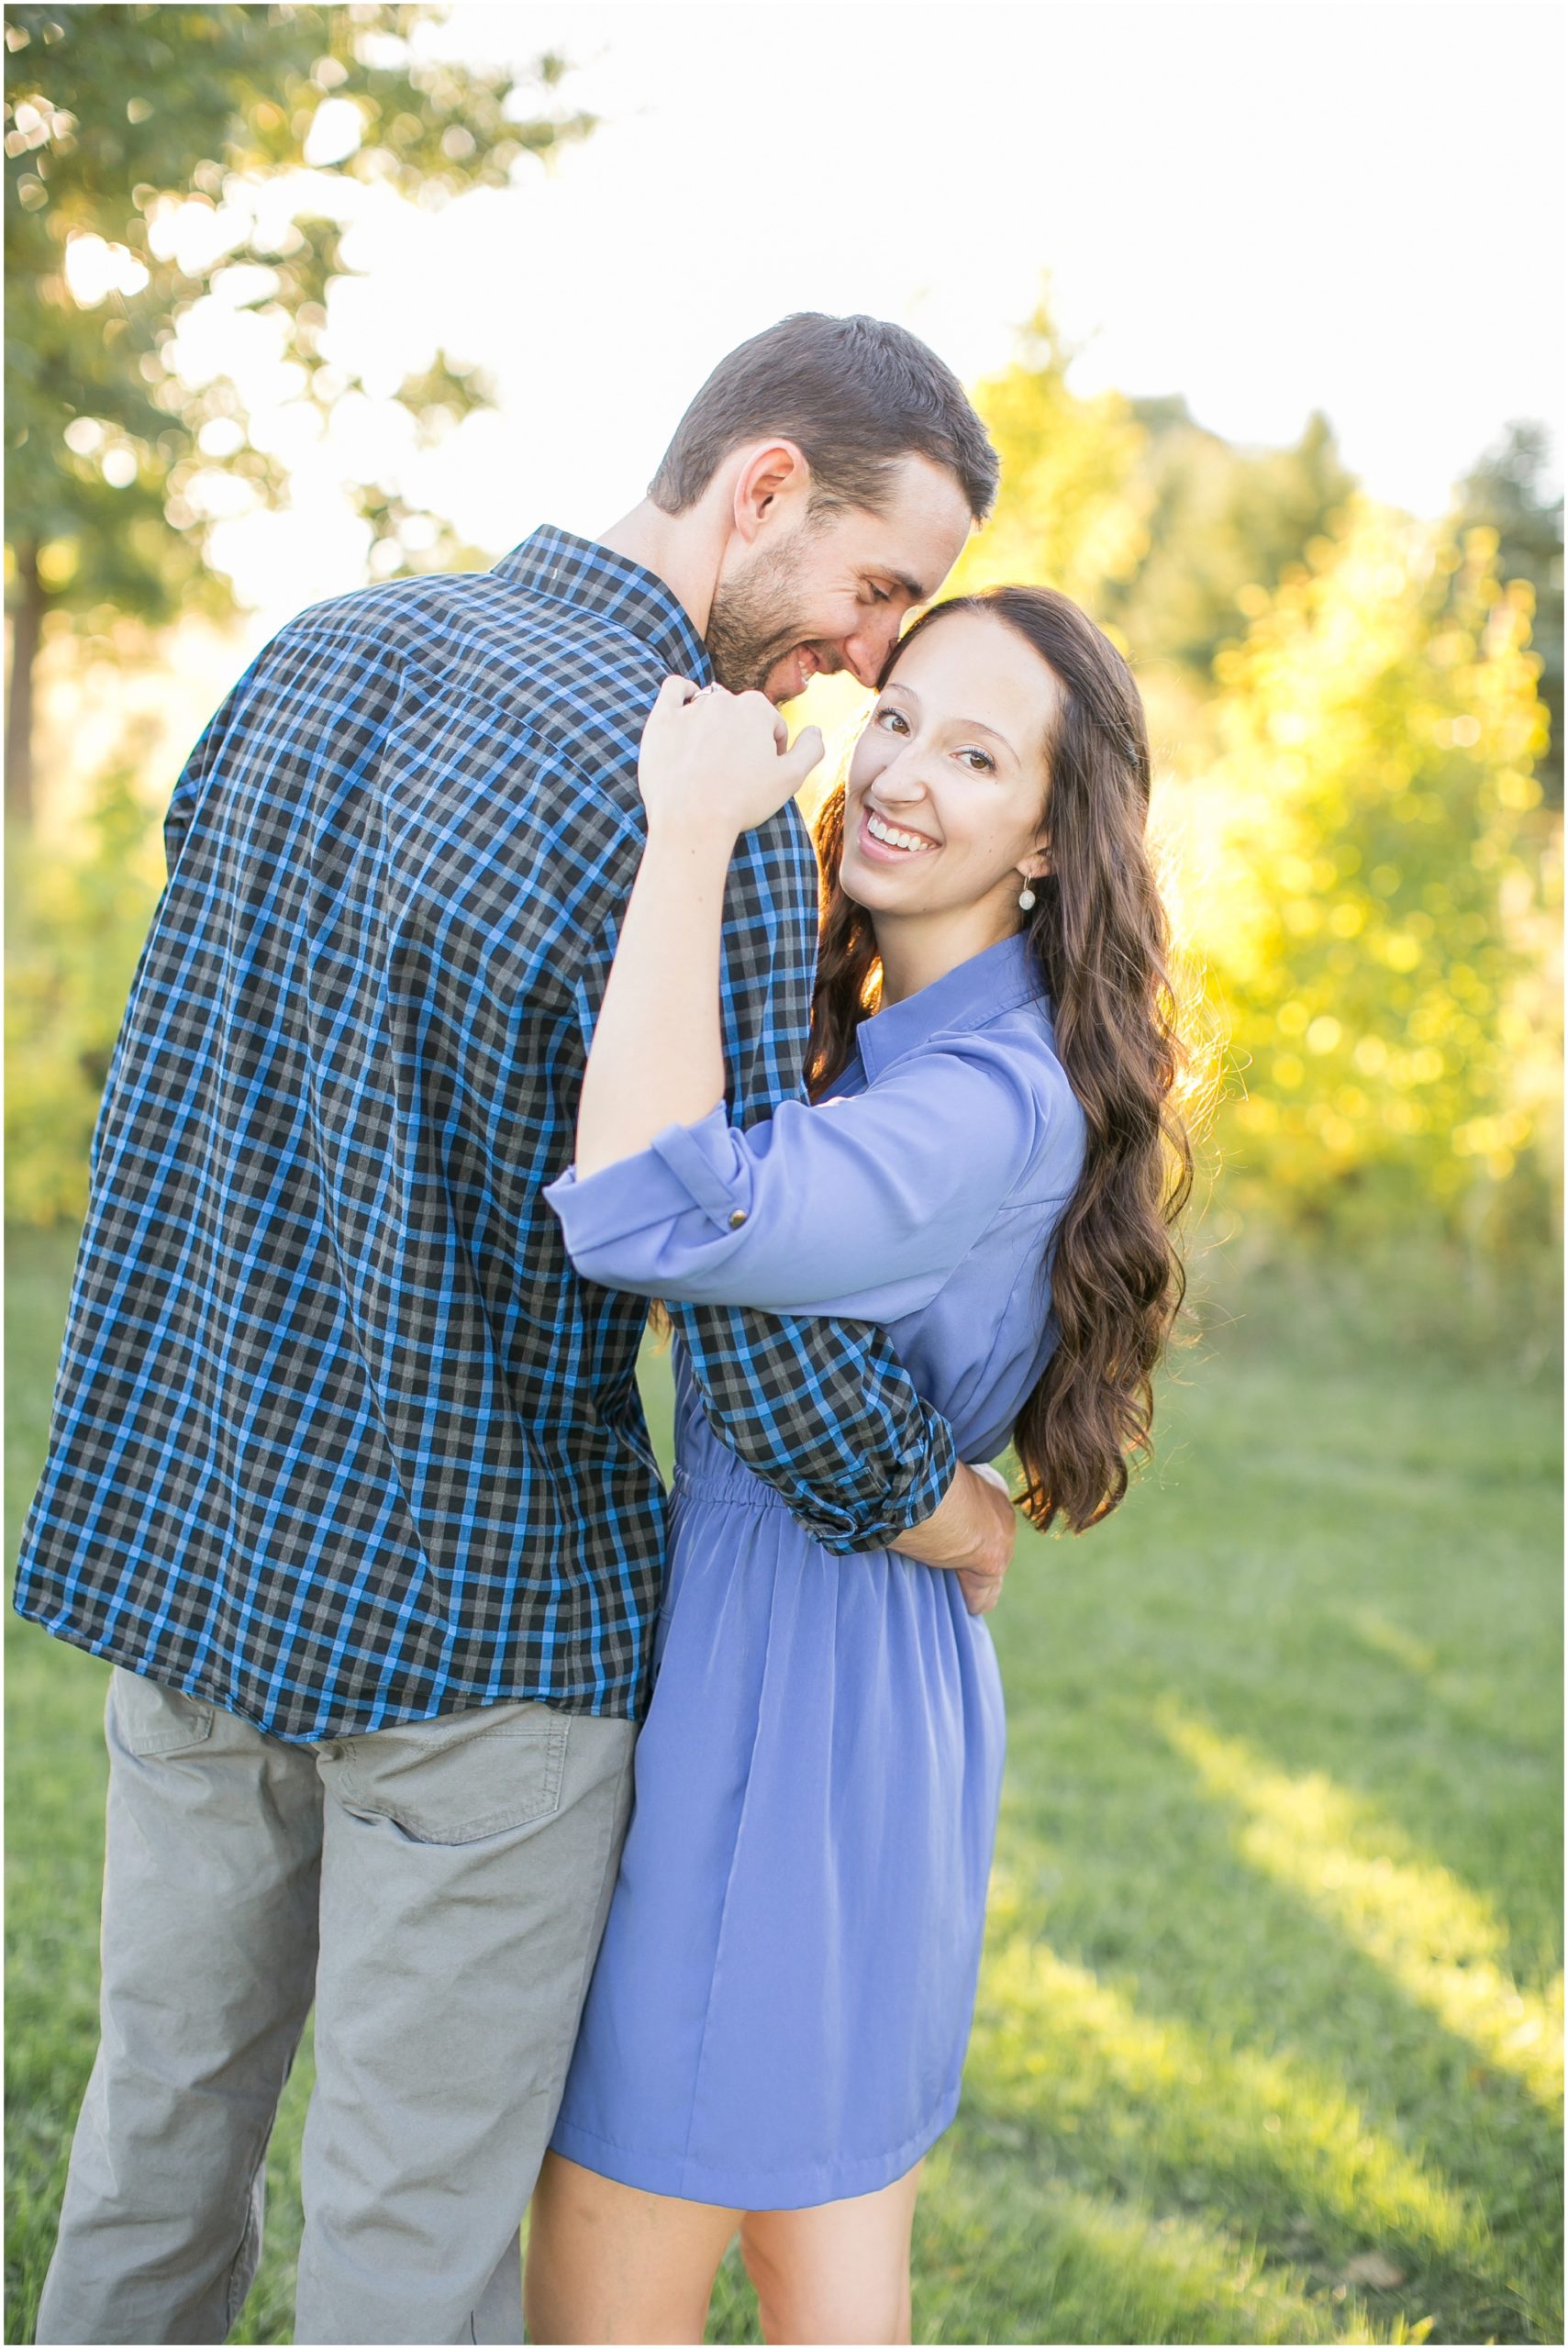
783,1994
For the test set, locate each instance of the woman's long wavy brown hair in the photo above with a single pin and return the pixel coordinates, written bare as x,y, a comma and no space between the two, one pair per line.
1100,938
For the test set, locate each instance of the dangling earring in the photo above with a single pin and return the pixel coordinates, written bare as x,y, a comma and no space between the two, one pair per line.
1026,900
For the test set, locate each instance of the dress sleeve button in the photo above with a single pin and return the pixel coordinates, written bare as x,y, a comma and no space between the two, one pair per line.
737,1218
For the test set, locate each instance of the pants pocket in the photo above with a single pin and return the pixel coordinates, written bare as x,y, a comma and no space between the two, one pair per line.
152,1720
455,1780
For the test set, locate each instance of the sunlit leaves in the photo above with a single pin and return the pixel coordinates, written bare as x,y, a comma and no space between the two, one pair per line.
157,189
1349,734
1223,526
74,926
1068,513
1381,902
1506,492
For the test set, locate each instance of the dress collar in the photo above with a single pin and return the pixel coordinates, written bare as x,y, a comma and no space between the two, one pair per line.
591,578
996,980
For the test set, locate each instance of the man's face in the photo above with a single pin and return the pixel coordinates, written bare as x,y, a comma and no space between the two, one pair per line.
832,592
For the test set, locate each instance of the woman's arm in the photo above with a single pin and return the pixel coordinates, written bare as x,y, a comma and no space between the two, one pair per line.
712,765
862,1207
657,1050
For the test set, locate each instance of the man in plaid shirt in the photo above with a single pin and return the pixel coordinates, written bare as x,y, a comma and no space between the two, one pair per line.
347,1473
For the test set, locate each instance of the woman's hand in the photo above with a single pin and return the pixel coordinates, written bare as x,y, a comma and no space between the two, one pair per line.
712,765
716,763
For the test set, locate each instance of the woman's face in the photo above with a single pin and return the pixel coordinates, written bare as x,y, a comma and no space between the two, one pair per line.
945,804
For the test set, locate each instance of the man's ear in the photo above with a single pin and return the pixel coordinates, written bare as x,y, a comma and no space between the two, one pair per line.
774,473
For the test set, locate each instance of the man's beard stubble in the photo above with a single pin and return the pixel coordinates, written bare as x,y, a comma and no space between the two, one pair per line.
752,625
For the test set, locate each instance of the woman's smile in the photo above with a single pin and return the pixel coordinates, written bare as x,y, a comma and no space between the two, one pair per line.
885,841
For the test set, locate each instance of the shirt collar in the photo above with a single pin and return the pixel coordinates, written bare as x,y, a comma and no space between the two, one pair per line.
591,578
997,980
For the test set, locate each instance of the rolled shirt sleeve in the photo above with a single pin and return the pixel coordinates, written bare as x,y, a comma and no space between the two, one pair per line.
862,1207
823,1410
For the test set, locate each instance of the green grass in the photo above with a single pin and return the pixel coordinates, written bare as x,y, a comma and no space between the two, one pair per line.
1266,2047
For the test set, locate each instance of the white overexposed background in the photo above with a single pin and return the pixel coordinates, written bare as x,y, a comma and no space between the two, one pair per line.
1347,204
1269,208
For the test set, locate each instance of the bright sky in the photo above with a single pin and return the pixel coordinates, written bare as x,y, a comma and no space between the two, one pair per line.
1340,203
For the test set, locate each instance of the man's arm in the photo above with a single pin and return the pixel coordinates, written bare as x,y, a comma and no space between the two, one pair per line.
825,1413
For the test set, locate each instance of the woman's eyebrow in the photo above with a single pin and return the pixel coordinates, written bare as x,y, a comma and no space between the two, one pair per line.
962,725
974,726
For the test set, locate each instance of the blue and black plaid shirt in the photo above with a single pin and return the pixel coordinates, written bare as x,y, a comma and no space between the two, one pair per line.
339,1439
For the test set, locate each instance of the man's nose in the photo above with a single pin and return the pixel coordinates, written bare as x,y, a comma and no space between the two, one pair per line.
867,650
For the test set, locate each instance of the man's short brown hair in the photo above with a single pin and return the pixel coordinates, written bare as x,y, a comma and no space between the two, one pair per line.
855,394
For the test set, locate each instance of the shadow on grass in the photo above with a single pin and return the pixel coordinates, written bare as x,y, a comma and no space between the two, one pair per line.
1221,2050
1357,1572
1090,2267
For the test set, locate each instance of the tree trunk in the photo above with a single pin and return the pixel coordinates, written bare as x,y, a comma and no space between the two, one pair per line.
26,632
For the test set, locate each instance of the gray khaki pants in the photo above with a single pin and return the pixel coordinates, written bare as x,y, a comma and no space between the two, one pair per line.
439,1891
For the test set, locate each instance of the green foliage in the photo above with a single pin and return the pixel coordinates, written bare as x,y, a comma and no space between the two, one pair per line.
119,117
1066,514
1167,532
1380,916
1222,525
1360,845
74,928
122,121
1265,2048
1506,493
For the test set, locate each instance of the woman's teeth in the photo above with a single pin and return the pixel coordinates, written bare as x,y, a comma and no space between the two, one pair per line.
894,839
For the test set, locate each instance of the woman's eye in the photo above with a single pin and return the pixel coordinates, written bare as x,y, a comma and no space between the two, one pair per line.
988,764
895,716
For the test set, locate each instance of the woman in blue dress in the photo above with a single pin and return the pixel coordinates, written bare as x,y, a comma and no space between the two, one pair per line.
988,1167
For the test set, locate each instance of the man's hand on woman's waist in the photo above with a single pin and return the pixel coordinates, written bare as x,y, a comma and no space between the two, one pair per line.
971,1532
